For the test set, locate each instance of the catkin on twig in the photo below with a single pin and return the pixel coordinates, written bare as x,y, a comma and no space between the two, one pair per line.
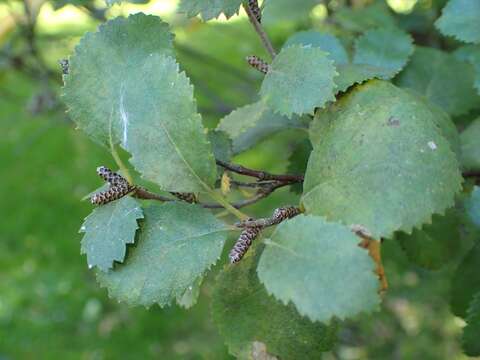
259,64
243,243
256,11
110,176
113,193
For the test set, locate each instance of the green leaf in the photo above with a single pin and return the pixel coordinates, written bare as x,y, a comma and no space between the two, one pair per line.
178,242
379,160
465,282
444,123
300,80
471,54
287,11
222,145
435,244
386,49
99,66
245,314
443,79
191,294
323,41
108,230
297,162
320,268
250,124
351,74
361,19
470,140
146,101
460,20
209,9
472,205
470,342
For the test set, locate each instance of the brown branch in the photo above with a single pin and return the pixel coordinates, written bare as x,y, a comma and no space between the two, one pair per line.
471,174
260,31
142,193
260,175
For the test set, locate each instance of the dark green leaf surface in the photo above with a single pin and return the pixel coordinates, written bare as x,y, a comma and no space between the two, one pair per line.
108,230
121,79
245,313
465,282
470,140
209,9
319,267
323,41
177,243
460,18
221,144
385,49
370,142
377,15
248,125
442,78
297,162
435,244
300,80
471,332
471,54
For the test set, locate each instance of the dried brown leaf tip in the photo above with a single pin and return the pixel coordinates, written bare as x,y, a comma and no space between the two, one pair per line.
257,12
259,64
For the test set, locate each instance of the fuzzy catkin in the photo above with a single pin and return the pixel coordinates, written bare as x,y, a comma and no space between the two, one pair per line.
259,64
243,243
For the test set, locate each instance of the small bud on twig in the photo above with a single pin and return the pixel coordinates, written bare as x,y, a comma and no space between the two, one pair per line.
258,64
243,243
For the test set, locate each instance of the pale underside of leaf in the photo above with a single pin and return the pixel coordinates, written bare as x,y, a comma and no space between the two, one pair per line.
319,267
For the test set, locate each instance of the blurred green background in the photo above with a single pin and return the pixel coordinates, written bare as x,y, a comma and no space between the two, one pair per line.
50,304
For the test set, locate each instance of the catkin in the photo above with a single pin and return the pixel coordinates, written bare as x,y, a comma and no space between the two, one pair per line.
259,64
113,193
110,176
243,243
257,12
187,197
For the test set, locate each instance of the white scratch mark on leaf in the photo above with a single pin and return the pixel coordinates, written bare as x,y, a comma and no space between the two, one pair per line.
432,145
124,116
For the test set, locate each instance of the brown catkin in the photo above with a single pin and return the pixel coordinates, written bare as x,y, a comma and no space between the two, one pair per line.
258,64
257,12
111,177
285,213
243,243
111,194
